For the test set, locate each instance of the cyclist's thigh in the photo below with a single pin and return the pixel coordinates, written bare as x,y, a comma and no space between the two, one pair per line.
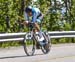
38,21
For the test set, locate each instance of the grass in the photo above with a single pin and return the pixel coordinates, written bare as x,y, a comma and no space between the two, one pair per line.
54,41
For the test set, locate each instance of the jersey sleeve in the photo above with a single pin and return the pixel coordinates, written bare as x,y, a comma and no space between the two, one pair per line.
34,17
26,17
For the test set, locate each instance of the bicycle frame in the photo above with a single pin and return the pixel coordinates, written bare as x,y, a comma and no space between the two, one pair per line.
32,32
33,38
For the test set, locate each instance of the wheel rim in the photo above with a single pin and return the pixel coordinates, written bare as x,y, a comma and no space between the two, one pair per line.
46,48
29,45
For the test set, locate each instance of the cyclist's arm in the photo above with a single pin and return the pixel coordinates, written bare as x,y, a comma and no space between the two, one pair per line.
26,17
34,17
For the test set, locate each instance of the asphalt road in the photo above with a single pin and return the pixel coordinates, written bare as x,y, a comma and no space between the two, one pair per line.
58,53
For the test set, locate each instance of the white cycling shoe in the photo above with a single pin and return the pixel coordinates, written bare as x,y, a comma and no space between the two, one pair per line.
40,40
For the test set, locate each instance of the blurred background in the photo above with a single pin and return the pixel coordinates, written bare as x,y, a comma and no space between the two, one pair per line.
59,16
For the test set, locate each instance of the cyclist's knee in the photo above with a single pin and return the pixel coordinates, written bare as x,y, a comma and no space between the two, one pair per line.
37,26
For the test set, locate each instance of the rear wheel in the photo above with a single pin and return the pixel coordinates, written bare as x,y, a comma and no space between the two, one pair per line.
29,44
47,46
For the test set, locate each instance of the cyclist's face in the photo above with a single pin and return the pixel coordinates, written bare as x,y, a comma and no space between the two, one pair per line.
30,13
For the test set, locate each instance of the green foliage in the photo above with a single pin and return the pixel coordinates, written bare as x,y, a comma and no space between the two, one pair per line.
52,21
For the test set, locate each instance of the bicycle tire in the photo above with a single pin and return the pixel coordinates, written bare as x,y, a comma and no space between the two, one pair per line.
26,46
47,47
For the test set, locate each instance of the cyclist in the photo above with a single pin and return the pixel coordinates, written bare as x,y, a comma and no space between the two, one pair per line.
36,15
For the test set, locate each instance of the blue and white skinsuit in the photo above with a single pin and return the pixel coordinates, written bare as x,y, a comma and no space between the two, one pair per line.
36,18
36,15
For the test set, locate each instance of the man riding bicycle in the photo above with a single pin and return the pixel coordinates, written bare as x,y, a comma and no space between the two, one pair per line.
37,16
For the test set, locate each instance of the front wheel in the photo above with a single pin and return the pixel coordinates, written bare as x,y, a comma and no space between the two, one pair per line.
47,46
29,44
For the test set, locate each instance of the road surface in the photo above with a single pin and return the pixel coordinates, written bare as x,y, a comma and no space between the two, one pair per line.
58,53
